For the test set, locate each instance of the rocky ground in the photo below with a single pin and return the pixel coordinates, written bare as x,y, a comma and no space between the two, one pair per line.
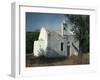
32,61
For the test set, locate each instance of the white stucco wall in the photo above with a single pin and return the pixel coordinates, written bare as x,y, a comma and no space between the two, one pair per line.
39,48
44,37
49,44
76,44
40,45
36,48
54,42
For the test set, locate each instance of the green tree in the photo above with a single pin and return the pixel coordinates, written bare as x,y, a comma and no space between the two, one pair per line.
81,29
30,38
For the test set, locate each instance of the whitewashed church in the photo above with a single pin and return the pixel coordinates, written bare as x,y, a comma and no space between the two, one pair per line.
56,44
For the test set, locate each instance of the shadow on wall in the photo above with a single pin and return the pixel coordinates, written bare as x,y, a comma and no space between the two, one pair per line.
49,53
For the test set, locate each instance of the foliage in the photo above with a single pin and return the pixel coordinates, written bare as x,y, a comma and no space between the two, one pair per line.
81,29
30,38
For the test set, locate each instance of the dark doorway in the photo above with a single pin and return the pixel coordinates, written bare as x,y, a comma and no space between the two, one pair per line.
68,50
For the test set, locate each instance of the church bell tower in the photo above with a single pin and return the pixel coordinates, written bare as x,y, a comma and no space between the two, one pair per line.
64,28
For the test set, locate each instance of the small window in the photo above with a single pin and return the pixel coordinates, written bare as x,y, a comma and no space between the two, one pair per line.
49,35
62,46
68,42
64,28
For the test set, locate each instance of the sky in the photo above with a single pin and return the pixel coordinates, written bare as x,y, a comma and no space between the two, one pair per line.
35,21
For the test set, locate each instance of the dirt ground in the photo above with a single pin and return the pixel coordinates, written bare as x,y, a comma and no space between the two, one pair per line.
32,61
